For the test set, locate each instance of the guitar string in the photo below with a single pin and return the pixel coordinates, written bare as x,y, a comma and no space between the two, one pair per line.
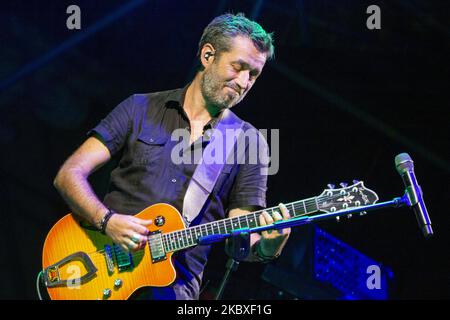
177,238
100,254
227,221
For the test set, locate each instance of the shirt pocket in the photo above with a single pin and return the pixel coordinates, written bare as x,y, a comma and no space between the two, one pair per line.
149,149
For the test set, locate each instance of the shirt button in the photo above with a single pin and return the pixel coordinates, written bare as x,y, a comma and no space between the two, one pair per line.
174,180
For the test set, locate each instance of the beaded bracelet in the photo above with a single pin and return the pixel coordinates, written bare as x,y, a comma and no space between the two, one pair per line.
104,221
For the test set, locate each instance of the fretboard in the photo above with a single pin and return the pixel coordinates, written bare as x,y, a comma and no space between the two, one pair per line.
189,237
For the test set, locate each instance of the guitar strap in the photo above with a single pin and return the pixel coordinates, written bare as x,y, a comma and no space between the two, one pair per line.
221,145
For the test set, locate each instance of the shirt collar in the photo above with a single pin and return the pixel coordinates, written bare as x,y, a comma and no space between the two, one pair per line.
175,99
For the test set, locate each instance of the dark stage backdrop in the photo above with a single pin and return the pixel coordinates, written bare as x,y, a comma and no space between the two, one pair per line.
346,100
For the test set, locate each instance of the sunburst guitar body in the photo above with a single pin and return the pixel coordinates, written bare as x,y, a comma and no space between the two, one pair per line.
83,264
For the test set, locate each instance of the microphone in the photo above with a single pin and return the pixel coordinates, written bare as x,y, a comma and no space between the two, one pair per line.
405,167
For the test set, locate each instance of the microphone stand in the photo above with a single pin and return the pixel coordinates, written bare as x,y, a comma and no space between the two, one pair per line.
237,249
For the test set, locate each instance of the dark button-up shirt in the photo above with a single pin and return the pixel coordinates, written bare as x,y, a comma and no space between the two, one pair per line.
140,127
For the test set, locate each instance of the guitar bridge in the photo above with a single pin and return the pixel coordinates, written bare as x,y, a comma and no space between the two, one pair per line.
52,276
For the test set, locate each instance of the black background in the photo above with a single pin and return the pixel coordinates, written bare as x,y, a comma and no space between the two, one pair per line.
346,100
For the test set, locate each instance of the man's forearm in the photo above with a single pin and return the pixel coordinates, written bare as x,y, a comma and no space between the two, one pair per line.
76,190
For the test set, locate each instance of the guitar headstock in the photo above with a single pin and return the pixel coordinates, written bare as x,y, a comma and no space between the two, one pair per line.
356,195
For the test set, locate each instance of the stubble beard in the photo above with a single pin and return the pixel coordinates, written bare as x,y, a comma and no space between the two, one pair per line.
212,91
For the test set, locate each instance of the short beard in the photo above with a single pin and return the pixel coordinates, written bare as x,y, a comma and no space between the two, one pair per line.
211,88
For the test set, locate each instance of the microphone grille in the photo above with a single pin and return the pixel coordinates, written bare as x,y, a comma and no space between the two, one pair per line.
403,162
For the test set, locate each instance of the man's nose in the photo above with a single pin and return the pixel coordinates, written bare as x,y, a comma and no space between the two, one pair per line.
243,79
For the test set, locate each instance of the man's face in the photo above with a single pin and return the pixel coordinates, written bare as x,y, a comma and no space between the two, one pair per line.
227,80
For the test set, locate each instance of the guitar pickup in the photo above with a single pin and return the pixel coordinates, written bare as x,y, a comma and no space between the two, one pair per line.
124,259
156,247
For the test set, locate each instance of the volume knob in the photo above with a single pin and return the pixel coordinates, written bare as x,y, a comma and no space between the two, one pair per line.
106,293
117,283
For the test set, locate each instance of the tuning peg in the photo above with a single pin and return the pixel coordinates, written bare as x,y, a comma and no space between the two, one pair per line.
349,216
343,184
338,218
331,186
362,213
355,181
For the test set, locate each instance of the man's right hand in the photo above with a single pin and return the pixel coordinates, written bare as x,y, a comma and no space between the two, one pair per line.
129,232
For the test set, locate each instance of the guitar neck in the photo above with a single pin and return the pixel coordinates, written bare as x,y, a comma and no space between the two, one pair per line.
185,238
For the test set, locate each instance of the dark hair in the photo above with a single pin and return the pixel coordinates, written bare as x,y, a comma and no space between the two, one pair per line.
222,29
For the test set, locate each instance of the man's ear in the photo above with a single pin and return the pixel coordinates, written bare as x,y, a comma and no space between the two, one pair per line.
207,55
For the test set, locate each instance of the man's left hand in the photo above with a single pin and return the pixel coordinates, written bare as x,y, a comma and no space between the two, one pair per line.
273,241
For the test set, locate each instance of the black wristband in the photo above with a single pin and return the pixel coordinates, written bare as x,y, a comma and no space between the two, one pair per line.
104,221
260,256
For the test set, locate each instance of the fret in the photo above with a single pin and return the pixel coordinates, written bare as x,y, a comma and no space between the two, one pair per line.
166,245
161,243
300,208
209,225
292,210
235,225
198,232
177,240
174,243
246,221
193,237
304,206
227,224
168,242
185,238
188,237
169,238
311,206
253,222
180,239
215,225
222,227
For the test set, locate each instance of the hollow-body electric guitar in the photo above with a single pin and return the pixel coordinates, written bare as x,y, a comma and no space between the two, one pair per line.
80,263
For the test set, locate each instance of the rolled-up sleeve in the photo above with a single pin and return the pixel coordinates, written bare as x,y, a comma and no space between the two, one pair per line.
114,129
